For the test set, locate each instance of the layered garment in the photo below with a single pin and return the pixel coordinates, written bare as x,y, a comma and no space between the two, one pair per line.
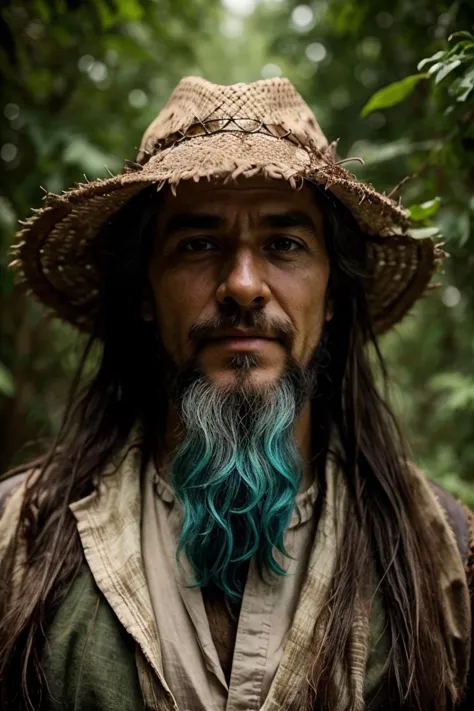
109,649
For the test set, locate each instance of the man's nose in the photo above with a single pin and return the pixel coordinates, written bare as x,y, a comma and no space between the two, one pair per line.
244,281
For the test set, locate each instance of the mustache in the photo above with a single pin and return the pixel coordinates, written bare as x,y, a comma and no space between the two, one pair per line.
206,328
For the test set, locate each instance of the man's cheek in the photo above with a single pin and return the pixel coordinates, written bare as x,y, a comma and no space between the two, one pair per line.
175,337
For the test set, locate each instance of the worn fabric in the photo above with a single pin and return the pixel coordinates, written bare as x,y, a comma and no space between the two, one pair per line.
89,659
304,635
92,664
109,526
223,618
191,663
108,522
221,133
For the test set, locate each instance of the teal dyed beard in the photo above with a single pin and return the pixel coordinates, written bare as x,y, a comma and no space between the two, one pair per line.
236,475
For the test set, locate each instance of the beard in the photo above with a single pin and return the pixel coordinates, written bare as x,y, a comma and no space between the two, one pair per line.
237,470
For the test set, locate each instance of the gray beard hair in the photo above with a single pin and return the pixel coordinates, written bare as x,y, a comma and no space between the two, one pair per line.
237,472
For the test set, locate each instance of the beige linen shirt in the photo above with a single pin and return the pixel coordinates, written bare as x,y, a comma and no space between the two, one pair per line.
191,664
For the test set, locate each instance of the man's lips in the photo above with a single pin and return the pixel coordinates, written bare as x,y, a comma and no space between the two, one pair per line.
240,343
242,340
240,333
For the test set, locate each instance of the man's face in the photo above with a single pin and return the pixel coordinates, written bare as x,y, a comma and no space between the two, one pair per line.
239,270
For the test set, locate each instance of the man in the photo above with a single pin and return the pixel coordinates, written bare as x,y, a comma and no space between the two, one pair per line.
227,518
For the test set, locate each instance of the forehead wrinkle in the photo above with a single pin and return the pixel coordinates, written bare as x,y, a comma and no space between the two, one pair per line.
239,186
267,218
256,214
230,217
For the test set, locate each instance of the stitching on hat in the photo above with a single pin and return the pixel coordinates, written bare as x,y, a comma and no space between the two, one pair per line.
202,127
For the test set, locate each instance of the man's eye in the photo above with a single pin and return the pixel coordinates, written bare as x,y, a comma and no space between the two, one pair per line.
285,244
199,244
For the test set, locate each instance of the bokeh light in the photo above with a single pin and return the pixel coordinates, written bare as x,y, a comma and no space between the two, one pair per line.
98,72
369,48
137,98
384,20
270,70
240,7
11,111
85,62
316,52
8,152
451,296
302,18
232,27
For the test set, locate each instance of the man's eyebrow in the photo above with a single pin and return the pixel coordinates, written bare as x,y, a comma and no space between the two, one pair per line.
293,218
192,221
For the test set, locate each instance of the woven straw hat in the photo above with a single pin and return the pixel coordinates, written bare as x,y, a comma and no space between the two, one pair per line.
220,132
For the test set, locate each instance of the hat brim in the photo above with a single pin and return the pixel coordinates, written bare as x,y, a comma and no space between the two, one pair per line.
53,252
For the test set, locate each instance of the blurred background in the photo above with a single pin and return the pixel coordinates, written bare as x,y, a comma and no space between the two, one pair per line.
394,82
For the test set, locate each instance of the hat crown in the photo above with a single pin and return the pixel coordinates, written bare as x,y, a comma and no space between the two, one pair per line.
197,106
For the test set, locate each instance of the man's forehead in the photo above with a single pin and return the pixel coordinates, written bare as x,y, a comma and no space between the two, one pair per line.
203,194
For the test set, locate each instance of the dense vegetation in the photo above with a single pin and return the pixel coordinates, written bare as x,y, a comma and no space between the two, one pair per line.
81,81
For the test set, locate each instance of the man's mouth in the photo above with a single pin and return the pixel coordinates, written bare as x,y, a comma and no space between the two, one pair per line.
242,340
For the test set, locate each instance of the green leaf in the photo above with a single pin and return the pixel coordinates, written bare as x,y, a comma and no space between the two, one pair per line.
425,210
459,390
446,69
107,17
392,94
423,232
428,60
130,10
462,48
7,387
435,67
43,11
466,83
461,33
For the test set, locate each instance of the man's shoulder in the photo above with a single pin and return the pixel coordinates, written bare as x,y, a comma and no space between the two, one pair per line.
460,519
12,491
8,485
11,502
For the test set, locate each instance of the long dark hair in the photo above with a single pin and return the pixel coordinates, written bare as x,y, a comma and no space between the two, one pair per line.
384,525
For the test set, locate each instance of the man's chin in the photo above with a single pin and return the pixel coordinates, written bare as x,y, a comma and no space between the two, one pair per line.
251,379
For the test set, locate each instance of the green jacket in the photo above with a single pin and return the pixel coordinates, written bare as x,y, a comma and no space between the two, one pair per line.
90,661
